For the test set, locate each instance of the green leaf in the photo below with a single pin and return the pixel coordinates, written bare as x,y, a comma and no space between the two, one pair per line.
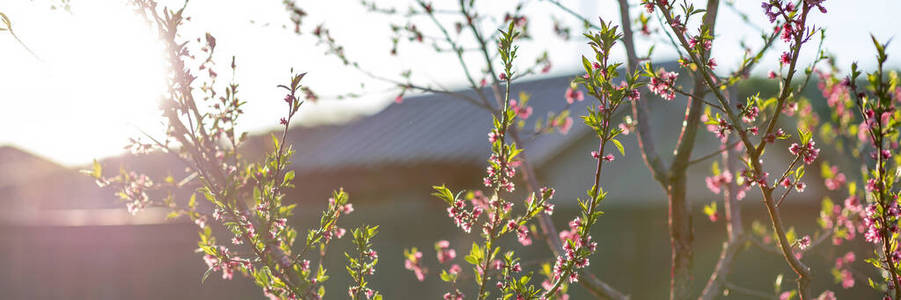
799,172
172,215
448,277
619,146
289,176
710,209
274,141
444,193
826,170
96,170
586,64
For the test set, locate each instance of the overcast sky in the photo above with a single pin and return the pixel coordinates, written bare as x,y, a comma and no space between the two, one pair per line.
97,71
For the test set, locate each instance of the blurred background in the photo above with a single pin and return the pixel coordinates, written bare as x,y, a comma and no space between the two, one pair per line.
93,71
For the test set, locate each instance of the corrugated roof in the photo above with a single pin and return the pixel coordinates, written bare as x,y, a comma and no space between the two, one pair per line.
429,128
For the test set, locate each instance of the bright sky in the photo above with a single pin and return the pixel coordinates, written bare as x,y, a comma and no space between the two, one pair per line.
99,72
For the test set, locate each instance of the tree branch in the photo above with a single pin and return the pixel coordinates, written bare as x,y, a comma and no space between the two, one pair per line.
640,108
711,155
551,236
735,236
748,291
796,265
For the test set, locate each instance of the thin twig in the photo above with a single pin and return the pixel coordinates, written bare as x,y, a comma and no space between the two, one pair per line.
749,292
711,155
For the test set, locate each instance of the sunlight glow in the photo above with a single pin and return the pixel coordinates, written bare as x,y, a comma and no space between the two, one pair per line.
97,78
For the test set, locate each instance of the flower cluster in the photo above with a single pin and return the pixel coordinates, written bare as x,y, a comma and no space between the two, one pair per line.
510,282
363,264
879,221
413,262
793,30
455,295
577,249
807,151
562,124
223,260
500,173
463,217
444,252
573,95
522,110
662,83
833,179
135,192
716,182
842,270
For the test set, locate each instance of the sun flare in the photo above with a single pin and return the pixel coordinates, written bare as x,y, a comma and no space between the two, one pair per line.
100,72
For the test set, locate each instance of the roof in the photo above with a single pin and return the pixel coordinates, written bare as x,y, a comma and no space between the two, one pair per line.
429,128
18,167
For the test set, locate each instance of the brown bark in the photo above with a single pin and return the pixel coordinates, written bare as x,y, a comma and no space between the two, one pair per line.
674,178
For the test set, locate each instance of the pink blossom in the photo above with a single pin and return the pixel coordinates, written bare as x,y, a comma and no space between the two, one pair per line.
522,235
785,58
714,216
872,235
546,68
849,257
565,125
444,252
847,279
836,181
663,84
497,264
412,263
715,183
800,187
750,115
785,295
454,269
573,95
827,295
804,242
807,152
456,295
786,183
872,185
522,111
711,64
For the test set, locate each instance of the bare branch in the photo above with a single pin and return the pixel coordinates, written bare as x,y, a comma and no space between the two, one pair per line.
749,292
711,155
735,235
640,108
